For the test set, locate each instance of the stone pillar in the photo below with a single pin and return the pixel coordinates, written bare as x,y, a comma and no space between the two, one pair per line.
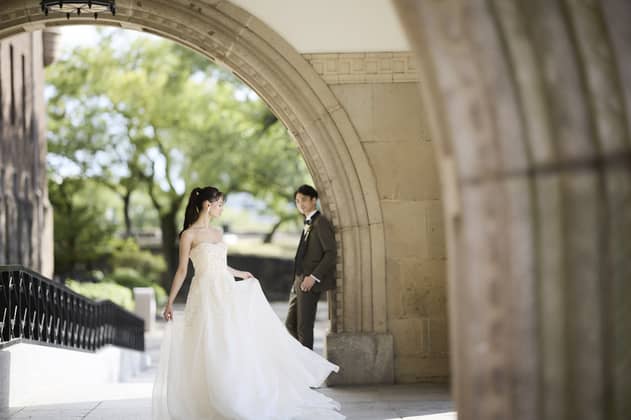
5,384
409,342
530,108
145,306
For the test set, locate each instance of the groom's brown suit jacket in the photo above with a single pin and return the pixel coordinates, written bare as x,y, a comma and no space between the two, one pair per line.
317,254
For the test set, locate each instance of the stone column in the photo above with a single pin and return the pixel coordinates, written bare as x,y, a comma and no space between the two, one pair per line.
530,106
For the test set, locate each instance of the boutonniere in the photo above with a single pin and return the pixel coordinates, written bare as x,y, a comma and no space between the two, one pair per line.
307,228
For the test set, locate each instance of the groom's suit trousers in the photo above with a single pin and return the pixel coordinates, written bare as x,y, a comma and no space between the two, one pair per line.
302,313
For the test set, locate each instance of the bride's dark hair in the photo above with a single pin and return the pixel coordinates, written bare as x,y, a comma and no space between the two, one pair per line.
195,201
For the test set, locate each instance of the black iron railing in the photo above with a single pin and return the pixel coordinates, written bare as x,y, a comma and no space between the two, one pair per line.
38,310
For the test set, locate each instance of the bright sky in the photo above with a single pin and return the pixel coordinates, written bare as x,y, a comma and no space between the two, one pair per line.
88,35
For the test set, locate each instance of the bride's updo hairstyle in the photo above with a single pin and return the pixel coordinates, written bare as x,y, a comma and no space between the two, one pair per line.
195,202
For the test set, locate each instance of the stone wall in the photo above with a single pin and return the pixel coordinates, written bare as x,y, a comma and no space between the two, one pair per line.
380,95
25,213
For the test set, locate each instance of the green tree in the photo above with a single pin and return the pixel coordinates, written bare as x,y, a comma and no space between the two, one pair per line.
82,232
268,176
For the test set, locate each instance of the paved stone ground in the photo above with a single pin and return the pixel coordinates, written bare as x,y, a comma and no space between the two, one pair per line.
132,400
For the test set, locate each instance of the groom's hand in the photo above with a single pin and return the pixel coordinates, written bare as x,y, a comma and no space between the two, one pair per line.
307,284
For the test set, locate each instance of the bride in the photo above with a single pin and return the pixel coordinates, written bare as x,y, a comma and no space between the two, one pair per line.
229,356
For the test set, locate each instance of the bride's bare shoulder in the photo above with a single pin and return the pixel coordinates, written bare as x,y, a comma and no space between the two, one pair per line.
187,234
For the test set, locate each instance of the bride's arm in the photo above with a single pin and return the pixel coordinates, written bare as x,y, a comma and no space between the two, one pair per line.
180,274
239,273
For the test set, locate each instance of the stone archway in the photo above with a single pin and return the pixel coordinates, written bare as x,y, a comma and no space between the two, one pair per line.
531,110
232,37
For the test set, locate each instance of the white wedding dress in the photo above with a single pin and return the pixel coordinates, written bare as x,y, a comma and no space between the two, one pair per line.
229,357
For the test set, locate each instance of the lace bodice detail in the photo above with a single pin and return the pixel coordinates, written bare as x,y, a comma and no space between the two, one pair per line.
211,274
209,256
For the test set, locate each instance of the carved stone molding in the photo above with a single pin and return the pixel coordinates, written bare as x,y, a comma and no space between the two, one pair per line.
383,67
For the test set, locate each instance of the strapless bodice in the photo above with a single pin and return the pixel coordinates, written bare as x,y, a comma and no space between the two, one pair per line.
209,256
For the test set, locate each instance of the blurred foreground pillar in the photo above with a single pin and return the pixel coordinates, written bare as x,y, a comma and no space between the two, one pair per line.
530,109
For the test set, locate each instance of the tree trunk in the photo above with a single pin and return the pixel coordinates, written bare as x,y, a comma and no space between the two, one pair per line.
126,209
169,247
268,237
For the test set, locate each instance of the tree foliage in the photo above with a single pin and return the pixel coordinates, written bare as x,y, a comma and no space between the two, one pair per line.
82,230
157,118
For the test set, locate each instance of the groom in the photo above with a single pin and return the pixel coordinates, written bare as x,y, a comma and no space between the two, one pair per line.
314,266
